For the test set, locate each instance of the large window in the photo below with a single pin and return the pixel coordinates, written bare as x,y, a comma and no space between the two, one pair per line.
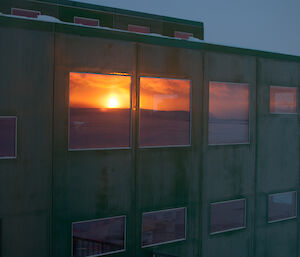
228,113
8,137
100,111
163,226
227,216
283,100
164,112
282,206
98,237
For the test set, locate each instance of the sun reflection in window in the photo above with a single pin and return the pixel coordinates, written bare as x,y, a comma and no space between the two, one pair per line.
100,110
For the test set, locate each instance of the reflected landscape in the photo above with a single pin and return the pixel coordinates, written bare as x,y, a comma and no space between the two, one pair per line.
227,215
163,226
92,238
282,206
8,136
283,99
164,112
228,113
100,111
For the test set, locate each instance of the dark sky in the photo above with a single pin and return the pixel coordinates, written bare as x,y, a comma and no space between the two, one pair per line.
271,25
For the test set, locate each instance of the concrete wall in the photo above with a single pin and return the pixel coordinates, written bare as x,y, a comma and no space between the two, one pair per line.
26,79
48,187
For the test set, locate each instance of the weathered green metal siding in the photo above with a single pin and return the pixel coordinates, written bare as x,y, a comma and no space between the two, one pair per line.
26,79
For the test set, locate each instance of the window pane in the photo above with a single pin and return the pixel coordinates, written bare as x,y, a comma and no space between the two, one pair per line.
228,215
283,100
8,126
228,113
282,206
164,112
97,237
100,111
163,226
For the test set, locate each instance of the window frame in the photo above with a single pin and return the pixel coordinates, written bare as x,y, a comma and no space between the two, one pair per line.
131,114
249,114
230,229
283,113
165,242
289,218
16,138
92,220
139,113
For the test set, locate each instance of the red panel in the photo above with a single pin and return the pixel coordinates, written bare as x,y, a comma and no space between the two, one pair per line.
140,29
86,21
183,35
25,13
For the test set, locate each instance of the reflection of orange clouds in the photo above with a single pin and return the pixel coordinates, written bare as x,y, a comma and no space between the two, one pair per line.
162,94
89,90
283,99
228,100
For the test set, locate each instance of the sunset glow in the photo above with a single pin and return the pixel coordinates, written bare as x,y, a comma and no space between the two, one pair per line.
88,90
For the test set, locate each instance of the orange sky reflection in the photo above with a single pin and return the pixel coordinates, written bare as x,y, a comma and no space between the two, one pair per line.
161,94
89,90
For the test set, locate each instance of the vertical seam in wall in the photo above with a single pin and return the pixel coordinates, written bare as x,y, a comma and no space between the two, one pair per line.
255,161
134,146
52,148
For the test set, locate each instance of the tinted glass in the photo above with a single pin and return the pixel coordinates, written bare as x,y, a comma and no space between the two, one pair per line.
8,127
227,215
283,100
98,237
164,112
282,206
228,113
163,226
100,111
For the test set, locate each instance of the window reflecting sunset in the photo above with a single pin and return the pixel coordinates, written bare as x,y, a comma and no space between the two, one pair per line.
164,112
100,110
228,113
283,99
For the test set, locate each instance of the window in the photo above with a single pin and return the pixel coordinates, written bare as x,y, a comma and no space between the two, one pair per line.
282,206
283,100
164,112
227,216
98,237
8,137
164,226
228,113
99,111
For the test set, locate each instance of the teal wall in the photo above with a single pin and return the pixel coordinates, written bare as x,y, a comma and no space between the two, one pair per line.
48,187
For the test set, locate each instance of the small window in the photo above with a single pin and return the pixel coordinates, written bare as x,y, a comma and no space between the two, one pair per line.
227,216
228,113
164,112
160,227
98,237
8,137
139,29
99,111
183,35
25,12
283,100
282,206
86,21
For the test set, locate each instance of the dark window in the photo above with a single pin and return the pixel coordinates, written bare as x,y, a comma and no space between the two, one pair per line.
98,237
228,113
8,133
100,111
282,206
164,112
283,100
163,226
229,215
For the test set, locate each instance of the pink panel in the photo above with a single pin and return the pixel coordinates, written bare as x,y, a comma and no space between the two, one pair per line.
86,21
182,35
25,13
140,29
